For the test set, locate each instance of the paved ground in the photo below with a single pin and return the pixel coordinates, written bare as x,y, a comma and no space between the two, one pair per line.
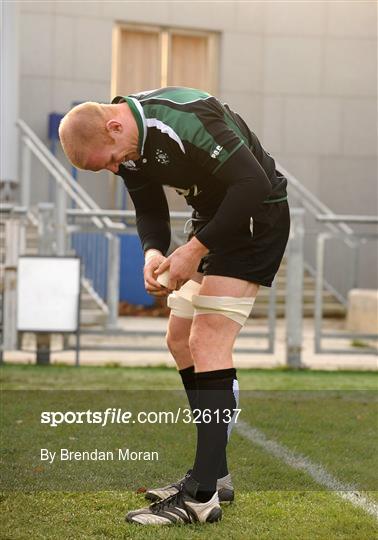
144,357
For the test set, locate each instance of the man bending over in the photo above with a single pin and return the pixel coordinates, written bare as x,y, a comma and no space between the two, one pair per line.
189,140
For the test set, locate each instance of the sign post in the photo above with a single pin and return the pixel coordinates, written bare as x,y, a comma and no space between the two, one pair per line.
48,299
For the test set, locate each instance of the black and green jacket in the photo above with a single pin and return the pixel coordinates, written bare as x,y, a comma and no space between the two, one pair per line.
190,141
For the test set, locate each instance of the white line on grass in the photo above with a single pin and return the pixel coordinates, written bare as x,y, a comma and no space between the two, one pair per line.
302,463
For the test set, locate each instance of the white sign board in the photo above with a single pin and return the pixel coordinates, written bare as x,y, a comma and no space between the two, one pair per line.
48,294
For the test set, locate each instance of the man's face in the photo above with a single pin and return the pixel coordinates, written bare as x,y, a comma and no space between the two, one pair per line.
110,156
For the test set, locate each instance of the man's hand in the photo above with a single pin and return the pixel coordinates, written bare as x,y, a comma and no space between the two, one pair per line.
153,259
182,263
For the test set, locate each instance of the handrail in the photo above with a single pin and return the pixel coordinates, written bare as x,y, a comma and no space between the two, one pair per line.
58,177
348,218
315,205
15,210
68,183
119,213
50,156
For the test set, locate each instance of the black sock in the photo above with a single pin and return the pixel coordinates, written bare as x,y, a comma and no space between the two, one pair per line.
215,393
189,381
223,467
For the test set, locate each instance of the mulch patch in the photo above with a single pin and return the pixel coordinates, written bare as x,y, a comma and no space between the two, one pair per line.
158,309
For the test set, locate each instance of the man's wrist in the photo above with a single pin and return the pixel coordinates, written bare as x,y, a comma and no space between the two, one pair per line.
151,253
197,246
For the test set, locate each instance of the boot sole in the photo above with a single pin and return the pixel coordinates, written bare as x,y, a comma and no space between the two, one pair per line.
226,496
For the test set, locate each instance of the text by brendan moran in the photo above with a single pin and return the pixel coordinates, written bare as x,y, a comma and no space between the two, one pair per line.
120,454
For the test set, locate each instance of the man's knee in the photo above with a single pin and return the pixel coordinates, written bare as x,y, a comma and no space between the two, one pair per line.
204,338
177,340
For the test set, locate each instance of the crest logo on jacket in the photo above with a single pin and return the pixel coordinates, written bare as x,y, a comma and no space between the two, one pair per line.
162,157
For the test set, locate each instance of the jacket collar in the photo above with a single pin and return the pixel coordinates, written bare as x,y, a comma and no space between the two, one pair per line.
137,111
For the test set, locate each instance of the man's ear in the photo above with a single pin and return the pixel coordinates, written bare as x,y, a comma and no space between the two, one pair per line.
113,126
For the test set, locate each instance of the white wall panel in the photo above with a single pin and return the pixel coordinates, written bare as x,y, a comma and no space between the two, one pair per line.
292,65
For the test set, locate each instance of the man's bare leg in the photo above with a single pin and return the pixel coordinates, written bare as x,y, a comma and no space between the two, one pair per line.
178,341
211,342
205,330
178,336
220,351
212,336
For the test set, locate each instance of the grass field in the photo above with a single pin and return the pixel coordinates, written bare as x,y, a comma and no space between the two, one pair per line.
330,418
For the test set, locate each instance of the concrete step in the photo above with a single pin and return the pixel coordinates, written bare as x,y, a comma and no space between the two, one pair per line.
92,317
27,251
31,235
307,280
308,296
86,300
332,310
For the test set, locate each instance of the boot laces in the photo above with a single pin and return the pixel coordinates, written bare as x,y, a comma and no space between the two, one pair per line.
165,504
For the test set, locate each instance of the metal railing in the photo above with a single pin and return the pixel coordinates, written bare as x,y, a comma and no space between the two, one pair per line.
294,289
67,186
45,236
322,239
98,251
347,254
177,220
14,231
96,239
67,192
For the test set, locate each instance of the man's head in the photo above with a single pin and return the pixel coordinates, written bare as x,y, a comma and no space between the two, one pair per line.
99,136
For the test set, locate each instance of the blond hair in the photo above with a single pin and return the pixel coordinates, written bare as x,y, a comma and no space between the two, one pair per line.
83,129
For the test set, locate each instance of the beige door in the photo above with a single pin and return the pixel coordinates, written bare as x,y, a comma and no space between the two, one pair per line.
192,60
136,60
147,57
